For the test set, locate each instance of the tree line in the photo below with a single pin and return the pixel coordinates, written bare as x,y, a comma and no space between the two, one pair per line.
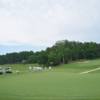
61,53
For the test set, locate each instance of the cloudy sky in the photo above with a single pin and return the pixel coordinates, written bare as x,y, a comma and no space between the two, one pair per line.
37,24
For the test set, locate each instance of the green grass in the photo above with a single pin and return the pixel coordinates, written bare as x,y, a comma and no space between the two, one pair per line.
61,83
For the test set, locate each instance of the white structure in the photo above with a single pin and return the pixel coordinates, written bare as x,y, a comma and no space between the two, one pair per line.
30,68
37,68
50,67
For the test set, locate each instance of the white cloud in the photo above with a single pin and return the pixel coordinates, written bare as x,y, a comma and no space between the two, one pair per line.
43,22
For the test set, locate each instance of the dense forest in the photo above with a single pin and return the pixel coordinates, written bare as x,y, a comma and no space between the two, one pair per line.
62,52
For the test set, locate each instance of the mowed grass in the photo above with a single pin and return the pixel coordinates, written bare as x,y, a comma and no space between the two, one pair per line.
61,83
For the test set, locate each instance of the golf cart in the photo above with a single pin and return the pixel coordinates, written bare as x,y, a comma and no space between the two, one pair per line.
8,70
1,71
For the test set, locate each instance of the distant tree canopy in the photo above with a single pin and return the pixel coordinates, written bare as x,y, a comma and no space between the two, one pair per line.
60,53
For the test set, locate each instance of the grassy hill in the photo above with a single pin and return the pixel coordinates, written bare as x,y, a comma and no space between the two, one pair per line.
61,83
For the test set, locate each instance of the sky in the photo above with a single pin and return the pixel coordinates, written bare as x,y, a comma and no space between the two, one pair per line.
38,24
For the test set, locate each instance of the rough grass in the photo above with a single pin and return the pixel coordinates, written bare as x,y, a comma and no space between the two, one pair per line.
61,83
